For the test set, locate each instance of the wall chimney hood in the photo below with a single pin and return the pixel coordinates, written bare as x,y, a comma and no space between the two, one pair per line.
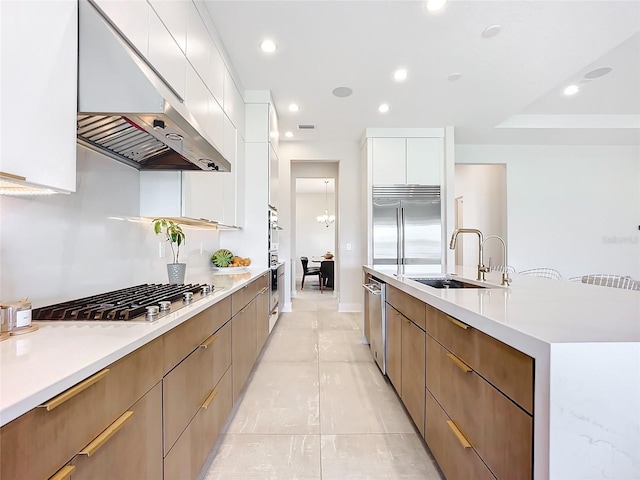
127,111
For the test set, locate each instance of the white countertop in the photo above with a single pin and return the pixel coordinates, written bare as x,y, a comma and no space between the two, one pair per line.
37,366
530,312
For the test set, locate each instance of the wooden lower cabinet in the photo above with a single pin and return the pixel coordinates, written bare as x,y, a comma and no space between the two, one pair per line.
244,340
129,448
406,363
38,443
185,459
262,318
413,371
447,444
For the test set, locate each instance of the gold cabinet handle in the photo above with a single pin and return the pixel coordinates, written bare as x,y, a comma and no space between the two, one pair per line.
210,398
73,391
459,363
110,431
458,323
64,473
11,176
209,341
263,290
461,438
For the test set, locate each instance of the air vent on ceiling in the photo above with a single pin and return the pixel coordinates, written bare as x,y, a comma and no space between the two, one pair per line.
307,126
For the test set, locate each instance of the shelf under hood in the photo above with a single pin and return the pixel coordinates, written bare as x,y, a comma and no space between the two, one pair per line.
128,111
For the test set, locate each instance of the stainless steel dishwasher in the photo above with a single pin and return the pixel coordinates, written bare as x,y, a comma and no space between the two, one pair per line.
376,319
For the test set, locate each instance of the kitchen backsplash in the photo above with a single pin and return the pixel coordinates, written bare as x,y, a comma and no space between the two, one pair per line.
61,247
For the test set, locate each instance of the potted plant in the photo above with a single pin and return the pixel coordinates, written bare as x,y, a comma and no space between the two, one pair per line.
175,236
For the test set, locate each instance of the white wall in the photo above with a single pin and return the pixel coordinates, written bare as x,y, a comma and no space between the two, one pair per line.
349,213
484,192
312,238
64,247
572,208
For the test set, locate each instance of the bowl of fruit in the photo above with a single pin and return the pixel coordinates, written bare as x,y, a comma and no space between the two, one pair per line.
223,259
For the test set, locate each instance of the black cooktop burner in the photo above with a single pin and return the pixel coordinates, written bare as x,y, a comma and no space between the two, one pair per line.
125,304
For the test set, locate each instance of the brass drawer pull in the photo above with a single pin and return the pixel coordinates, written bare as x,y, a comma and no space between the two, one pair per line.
64,473
210,398
209,341
73,391
463,441
458,323
110,431
263,290
459,363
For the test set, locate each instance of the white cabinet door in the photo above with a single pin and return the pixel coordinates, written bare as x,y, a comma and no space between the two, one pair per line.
202,196
425,157
173,14
165,55
215,123
39,91
274,176
131,19
240,190
198,41
233,103
197,100
389,161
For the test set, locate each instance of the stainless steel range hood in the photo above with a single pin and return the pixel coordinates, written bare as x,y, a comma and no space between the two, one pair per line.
127,111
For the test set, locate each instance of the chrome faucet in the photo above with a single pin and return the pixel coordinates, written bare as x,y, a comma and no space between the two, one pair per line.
505,273
454,239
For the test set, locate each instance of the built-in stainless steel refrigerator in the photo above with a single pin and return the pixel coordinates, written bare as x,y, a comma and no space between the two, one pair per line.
407,226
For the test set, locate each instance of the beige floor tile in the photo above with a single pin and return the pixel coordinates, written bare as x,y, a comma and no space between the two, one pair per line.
281,398
300,304
342,346
298,321
355,398
287,345
373,457
328,320
266,457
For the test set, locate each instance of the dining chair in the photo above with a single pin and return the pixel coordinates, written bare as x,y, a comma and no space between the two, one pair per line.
610,280
326,272
312,271
543,272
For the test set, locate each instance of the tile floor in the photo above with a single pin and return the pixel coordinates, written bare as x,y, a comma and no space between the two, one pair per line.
317,407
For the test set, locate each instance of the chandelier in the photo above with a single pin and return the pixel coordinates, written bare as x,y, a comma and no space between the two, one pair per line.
326,218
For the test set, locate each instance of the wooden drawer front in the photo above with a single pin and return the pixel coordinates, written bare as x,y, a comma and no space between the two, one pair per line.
185,459
262,319
455,461
409,306
242,297
184,390
221,347
499,431
133,451
182,340
394,347
261,282
40,442
244,340
506,368
413,366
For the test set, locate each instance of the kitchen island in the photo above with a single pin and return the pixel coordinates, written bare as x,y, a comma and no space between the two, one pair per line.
70,386
585,344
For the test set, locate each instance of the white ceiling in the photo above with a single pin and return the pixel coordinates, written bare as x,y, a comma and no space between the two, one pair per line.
512,80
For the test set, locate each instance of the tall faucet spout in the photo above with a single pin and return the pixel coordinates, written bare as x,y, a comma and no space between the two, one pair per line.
505,273
452,245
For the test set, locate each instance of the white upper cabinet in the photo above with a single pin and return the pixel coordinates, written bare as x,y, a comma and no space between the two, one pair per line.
39,85
233,103
425,160
173,14
165,55
403,161
131,18
197,100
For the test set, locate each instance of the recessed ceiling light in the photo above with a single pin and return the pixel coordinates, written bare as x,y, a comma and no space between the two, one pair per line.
268,46
288,134
400,75
491,31
342,91
571,90
294,107
597,73
435,5
454,76
383,108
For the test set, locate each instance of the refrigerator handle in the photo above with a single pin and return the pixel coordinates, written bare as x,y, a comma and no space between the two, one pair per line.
400,238
402,230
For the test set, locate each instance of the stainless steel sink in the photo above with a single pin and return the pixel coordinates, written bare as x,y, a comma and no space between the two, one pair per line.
446,283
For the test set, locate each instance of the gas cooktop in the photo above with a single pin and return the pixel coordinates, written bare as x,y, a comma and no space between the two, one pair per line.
143,302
